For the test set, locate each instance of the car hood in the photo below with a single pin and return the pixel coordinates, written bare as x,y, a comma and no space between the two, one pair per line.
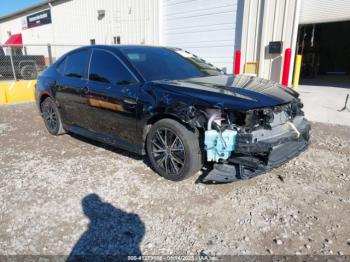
229,91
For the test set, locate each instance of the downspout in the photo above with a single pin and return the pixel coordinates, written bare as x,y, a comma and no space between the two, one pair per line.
264,30
52,23
160,22
53,36
294,39
244,34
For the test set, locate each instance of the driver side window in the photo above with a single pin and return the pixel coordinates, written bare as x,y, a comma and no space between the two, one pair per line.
106,68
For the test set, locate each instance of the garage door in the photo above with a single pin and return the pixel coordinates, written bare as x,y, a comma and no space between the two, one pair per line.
203,27
323,11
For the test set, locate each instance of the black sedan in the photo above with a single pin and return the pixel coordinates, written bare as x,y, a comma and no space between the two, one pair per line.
173,106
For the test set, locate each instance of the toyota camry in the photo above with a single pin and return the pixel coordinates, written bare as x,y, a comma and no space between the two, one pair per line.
176,108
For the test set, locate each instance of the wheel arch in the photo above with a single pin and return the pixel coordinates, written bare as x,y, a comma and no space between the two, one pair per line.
155,118
192,160
42,98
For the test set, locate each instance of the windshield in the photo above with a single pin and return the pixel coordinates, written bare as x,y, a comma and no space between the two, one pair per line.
155,63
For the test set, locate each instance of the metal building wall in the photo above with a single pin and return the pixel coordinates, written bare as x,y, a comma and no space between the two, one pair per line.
40,34
322,11
265,21
207,28
36,35
75,22
135,21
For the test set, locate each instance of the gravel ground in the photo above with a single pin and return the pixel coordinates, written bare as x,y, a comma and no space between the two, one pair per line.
64,195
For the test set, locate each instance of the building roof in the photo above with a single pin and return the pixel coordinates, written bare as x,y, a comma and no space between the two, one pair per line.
26,10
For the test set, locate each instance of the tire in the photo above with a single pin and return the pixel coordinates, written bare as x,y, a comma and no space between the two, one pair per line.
51,117
29,72
179,155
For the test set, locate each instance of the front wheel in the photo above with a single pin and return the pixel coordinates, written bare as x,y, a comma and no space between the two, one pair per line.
173,150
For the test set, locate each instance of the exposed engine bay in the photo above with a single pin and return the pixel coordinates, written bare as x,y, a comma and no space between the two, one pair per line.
242,145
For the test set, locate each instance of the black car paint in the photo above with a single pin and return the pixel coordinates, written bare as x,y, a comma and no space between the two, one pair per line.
144,102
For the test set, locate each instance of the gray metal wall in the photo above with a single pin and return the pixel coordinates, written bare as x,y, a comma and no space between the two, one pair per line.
265,21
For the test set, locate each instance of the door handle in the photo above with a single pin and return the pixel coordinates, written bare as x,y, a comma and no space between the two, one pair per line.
84,90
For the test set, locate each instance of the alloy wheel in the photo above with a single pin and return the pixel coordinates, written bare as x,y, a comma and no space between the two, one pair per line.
168,151
50,116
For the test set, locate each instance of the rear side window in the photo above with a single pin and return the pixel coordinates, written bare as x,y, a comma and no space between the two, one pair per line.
106,68
75,64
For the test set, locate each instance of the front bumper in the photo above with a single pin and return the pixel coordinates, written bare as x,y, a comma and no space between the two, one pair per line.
258,153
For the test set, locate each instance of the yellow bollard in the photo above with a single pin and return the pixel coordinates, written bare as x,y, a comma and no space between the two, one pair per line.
3,99
20,91
17,91
297,68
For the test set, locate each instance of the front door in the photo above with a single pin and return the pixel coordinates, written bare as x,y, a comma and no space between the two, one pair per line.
111,97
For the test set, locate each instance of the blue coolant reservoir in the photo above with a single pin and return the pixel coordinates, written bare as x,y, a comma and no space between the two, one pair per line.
219,146
210,141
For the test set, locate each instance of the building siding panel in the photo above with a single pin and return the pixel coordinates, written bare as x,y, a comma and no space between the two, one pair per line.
75,22
266,21
204,27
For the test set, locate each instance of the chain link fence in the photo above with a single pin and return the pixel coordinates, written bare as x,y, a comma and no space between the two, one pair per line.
19,62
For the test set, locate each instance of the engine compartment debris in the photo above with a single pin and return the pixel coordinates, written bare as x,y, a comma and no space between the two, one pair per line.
242,145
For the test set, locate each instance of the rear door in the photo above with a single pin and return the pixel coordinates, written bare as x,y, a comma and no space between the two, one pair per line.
70,87
112,97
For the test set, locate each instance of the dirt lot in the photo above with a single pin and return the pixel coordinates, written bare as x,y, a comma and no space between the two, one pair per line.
64,195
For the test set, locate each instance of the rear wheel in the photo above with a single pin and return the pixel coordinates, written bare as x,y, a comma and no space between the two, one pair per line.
173,150
51,117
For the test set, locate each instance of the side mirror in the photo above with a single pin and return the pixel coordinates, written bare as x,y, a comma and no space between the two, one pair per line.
224,69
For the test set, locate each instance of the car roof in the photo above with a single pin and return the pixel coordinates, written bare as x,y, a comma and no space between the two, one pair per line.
113,47
124,46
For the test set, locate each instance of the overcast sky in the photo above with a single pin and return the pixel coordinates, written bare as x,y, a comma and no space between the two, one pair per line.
10,6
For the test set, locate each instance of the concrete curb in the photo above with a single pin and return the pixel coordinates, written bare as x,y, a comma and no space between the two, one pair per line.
17,91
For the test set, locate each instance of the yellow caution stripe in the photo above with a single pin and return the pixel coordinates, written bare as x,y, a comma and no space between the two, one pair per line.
17,91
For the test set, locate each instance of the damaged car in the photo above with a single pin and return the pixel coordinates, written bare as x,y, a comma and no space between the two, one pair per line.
173,106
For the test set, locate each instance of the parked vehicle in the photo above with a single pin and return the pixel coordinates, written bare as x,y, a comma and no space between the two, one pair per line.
25,66
173,106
